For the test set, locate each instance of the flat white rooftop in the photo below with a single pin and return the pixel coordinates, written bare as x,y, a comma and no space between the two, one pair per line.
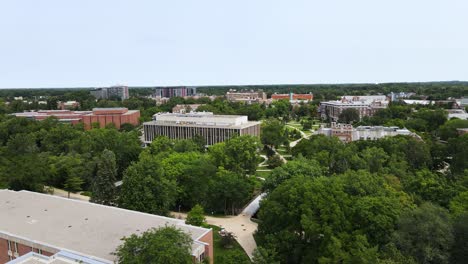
201,119
87,228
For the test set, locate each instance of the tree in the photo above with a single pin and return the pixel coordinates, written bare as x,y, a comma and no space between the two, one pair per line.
145,188
273,132
449,129
73,184
426,234
264,256
196,216
459,204
460,245
242,154
103,186
163,245
274,161
348,116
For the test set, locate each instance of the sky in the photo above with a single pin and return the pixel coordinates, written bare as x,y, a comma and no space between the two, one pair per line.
90,43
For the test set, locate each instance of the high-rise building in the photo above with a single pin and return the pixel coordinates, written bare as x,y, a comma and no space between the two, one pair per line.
213,128
180,91
50,225
113,92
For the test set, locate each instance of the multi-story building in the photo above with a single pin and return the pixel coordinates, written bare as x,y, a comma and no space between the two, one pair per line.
120,92
49,225
68,105
116,116
347,133
185,108
293,98
246,96
64,116
103,116
168,92
213,128
365,105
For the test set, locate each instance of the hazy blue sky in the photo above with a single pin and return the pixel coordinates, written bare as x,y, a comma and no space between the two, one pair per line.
65,43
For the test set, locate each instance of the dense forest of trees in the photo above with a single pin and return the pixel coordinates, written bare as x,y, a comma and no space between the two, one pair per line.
393,200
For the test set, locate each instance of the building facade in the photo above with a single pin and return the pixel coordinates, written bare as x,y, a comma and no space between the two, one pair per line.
185,108
365,105
246,96
120,92
292,97
347,133
213,128
103,116
49,225
168,92
116,116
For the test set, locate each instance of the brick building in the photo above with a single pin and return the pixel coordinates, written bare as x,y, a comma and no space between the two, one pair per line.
246,96
116,116
292,97
48,225
365,105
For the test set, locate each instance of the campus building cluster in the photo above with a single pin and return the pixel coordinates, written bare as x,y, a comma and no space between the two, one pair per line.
39,228
102,116
365,105
347,133
120,92
213,128
246,96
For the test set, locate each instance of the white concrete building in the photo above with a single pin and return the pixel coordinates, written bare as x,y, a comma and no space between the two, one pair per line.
348,133
213,128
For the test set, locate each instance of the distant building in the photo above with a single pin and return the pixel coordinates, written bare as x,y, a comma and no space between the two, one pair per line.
68,105
168,92
365,105
347,133
116,116
74,230
292,97
64,116
246,96
400,95
457,113
418,102
185,108
213,128
464,102
120,92
103,116
462,131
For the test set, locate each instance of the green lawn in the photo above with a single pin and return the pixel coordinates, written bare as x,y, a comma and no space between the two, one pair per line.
220,251
263,174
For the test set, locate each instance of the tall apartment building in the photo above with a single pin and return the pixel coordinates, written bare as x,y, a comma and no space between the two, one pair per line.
120,92
246,96
168,92
365,105
52,226
213,128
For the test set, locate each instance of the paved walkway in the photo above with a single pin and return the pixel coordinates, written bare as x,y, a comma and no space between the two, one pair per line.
240,225
75,196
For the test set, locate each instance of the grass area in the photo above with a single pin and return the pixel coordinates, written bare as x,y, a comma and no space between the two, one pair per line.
263,174
220,252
